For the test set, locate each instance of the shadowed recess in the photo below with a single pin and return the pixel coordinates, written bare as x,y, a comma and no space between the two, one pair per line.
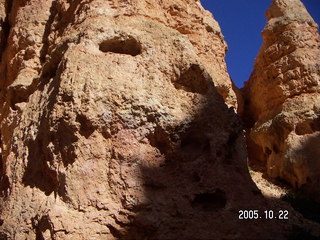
193,80
129,46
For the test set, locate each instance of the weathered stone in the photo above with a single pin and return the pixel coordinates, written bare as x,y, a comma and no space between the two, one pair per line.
283,99
117,122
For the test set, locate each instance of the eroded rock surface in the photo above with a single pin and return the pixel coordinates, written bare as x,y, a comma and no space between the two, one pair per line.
283,99
116,123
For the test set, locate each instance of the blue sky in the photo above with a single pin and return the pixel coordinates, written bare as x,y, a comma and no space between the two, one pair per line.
241,22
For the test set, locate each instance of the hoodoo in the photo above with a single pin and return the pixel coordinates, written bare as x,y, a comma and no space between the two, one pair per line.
283,98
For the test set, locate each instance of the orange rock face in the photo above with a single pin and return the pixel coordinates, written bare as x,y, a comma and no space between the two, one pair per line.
115,125
283,97
117,122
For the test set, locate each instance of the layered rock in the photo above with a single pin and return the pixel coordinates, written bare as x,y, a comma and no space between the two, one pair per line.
283,99
115,124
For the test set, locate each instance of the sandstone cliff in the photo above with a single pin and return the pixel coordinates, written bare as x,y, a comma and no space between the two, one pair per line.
283,97
114,124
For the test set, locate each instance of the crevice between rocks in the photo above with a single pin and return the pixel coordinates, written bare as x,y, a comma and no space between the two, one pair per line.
6,27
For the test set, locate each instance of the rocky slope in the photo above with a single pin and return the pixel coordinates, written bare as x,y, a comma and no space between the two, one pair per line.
283,98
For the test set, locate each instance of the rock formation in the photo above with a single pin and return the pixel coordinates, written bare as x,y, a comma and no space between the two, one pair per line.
283,97
114,124
117,122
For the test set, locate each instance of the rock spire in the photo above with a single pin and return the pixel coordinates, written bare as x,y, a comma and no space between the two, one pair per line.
283,97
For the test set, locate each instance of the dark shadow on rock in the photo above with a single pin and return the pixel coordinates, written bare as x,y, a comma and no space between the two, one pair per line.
5,26
198,190
304,205
41,171
310,152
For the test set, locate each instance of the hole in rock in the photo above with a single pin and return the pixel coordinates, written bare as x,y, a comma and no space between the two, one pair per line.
193,80
210,201
129,46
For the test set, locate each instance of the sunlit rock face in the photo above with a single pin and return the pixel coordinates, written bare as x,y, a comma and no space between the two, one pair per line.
283,99
117,122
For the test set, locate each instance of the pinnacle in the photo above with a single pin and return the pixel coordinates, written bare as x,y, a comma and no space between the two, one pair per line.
290,9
